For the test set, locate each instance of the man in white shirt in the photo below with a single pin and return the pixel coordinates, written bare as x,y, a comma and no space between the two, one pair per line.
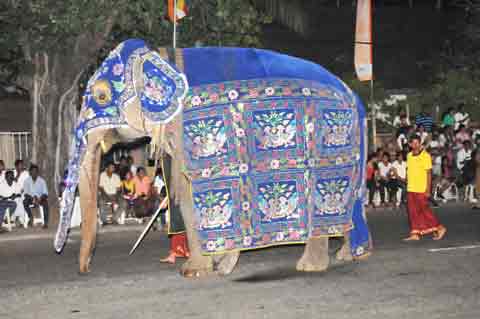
398,177
7,196
2,171
464,154
21,175
384,168
35,193
110,199
461,117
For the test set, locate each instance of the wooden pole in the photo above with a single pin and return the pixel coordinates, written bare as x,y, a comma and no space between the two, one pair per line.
174,24
374,117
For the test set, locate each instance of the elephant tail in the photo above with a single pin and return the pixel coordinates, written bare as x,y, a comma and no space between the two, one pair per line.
77,153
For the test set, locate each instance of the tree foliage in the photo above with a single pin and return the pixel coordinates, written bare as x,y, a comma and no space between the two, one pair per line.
49,45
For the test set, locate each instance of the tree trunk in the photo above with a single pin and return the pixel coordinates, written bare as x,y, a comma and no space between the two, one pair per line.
54,104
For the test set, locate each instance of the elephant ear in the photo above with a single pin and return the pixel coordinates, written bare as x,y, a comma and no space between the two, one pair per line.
159,88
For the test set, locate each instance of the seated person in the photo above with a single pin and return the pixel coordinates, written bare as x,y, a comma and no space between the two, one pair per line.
110,198
128,191
144,202
35,194
8,195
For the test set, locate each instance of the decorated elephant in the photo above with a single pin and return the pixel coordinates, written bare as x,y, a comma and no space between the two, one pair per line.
267,150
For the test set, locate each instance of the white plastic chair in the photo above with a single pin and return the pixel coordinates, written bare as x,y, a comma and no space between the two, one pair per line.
8,219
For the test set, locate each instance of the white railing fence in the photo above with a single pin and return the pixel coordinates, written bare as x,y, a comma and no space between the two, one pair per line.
13,146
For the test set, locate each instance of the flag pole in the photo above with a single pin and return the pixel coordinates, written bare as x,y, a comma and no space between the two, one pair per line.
175,24
374,117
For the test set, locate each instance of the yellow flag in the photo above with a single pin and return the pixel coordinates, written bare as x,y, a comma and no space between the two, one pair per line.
363,41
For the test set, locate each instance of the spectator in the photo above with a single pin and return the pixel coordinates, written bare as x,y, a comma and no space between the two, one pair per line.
442,139
402,141
144,202
468,173
21,175
384,168
476,164
35,194
424,119
131,165
8,196
448,118
372,171
2,171
398,177
461,117
462,135
110,198
401,122
423,135
464,155
123,168
434,143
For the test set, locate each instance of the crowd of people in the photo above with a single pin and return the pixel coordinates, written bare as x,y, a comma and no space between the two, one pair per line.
452,145
125,190
22,190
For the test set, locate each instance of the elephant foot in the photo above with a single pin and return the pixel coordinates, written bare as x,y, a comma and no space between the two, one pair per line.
226,263
309,265
315,257
344,254
84,266
196,267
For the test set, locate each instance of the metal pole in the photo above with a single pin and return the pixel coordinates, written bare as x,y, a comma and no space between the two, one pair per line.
174,24
374,117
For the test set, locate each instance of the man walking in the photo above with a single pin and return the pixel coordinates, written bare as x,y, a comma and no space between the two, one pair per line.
419,184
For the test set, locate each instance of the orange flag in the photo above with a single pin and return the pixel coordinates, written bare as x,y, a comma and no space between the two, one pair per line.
363,41
180,10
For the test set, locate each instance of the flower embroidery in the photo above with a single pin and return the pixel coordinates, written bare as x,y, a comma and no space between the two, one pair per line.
225,170
269,91
214,97
310,127
287,91
243,168
294,235
196,100
232,94
275,164
279,237
306,92
211,245
117,69
252,93
247,241
206,173
359,251
237,117
229,244
245,206
240,132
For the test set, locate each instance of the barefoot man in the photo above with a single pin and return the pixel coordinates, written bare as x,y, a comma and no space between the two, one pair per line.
419,182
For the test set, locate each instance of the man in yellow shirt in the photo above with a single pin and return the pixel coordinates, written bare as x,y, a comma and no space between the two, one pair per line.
419,185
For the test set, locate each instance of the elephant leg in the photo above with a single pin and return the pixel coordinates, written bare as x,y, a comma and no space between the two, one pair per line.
345,252
225,263
315,256
88,187
197,265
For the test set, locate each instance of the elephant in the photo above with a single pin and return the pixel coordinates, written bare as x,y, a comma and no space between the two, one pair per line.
267,149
